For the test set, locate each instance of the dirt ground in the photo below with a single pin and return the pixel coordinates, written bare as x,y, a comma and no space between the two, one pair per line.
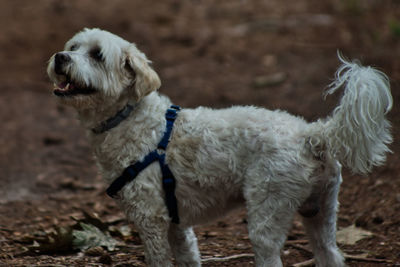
270,53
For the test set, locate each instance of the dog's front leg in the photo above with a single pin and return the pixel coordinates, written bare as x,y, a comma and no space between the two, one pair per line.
153,232
144,205
183,244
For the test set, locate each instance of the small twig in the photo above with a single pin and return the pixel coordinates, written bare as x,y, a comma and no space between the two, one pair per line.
228,258
298,233
296,246
362,258
304,263
122,246
301,241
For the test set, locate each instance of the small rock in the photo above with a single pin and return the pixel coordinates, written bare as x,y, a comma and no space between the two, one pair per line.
378,183
52,141
210,234
222,224
362,221
269,80
269,61
95,251
378,220
69,183
105,259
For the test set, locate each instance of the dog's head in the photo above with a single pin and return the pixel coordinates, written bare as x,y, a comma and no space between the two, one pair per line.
96,64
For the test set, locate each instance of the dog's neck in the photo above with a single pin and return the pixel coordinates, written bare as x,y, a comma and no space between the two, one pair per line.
94,118
105,117
114,121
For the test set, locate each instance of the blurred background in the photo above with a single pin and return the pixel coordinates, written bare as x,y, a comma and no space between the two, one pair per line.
270,53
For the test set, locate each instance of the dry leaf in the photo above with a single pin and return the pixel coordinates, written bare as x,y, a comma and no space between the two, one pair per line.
58,240
91,236
351,235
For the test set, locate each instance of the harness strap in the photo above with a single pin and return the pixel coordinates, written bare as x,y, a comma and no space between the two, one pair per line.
168,179
169,183
169,188
171,115
130,173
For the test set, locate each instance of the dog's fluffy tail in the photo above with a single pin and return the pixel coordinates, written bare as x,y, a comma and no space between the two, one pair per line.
357,133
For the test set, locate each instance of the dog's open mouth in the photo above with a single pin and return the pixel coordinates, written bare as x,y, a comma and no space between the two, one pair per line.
69,88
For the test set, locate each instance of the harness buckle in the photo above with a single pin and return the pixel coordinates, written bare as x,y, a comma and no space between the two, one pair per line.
171,114
176,107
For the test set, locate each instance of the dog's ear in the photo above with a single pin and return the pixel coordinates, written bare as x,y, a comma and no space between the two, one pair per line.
144,79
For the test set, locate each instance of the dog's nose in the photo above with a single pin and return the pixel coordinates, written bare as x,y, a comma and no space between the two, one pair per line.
59,61
62,58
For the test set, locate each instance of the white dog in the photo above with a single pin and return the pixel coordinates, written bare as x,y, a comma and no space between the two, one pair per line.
270,161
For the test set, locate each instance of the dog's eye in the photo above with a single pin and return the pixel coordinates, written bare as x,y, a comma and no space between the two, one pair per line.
96,54
73,47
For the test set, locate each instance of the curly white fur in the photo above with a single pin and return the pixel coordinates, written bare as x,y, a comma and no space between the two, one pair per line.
358,132
270,161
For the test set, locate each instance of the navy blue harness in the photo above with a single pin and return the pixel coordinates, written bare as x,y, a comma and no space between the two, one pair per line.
168,180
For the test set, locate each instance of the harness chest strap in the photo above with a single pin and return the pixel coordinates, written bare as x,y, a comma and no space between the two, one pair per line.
168,179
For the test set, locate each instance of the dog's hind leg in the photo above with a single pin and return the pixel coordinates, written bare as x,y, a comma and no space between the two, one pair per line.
270,213
321,228
183,244
268,227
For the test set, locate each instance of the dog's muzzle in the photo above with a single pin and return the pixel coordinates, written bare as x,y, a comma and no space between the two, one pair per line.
60,60
68,87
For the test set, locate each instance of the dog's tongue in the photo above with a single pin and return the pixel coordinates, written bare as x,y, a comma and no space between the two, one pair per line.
62,85
65,86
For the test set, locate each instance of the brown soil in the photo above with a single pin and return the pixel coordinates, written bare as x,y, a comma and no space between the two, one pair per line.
272,53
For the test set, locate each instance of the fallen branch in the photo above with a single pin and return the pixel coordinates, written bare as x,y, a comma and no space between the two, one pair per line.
364,258
228,258
347,257
300,264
